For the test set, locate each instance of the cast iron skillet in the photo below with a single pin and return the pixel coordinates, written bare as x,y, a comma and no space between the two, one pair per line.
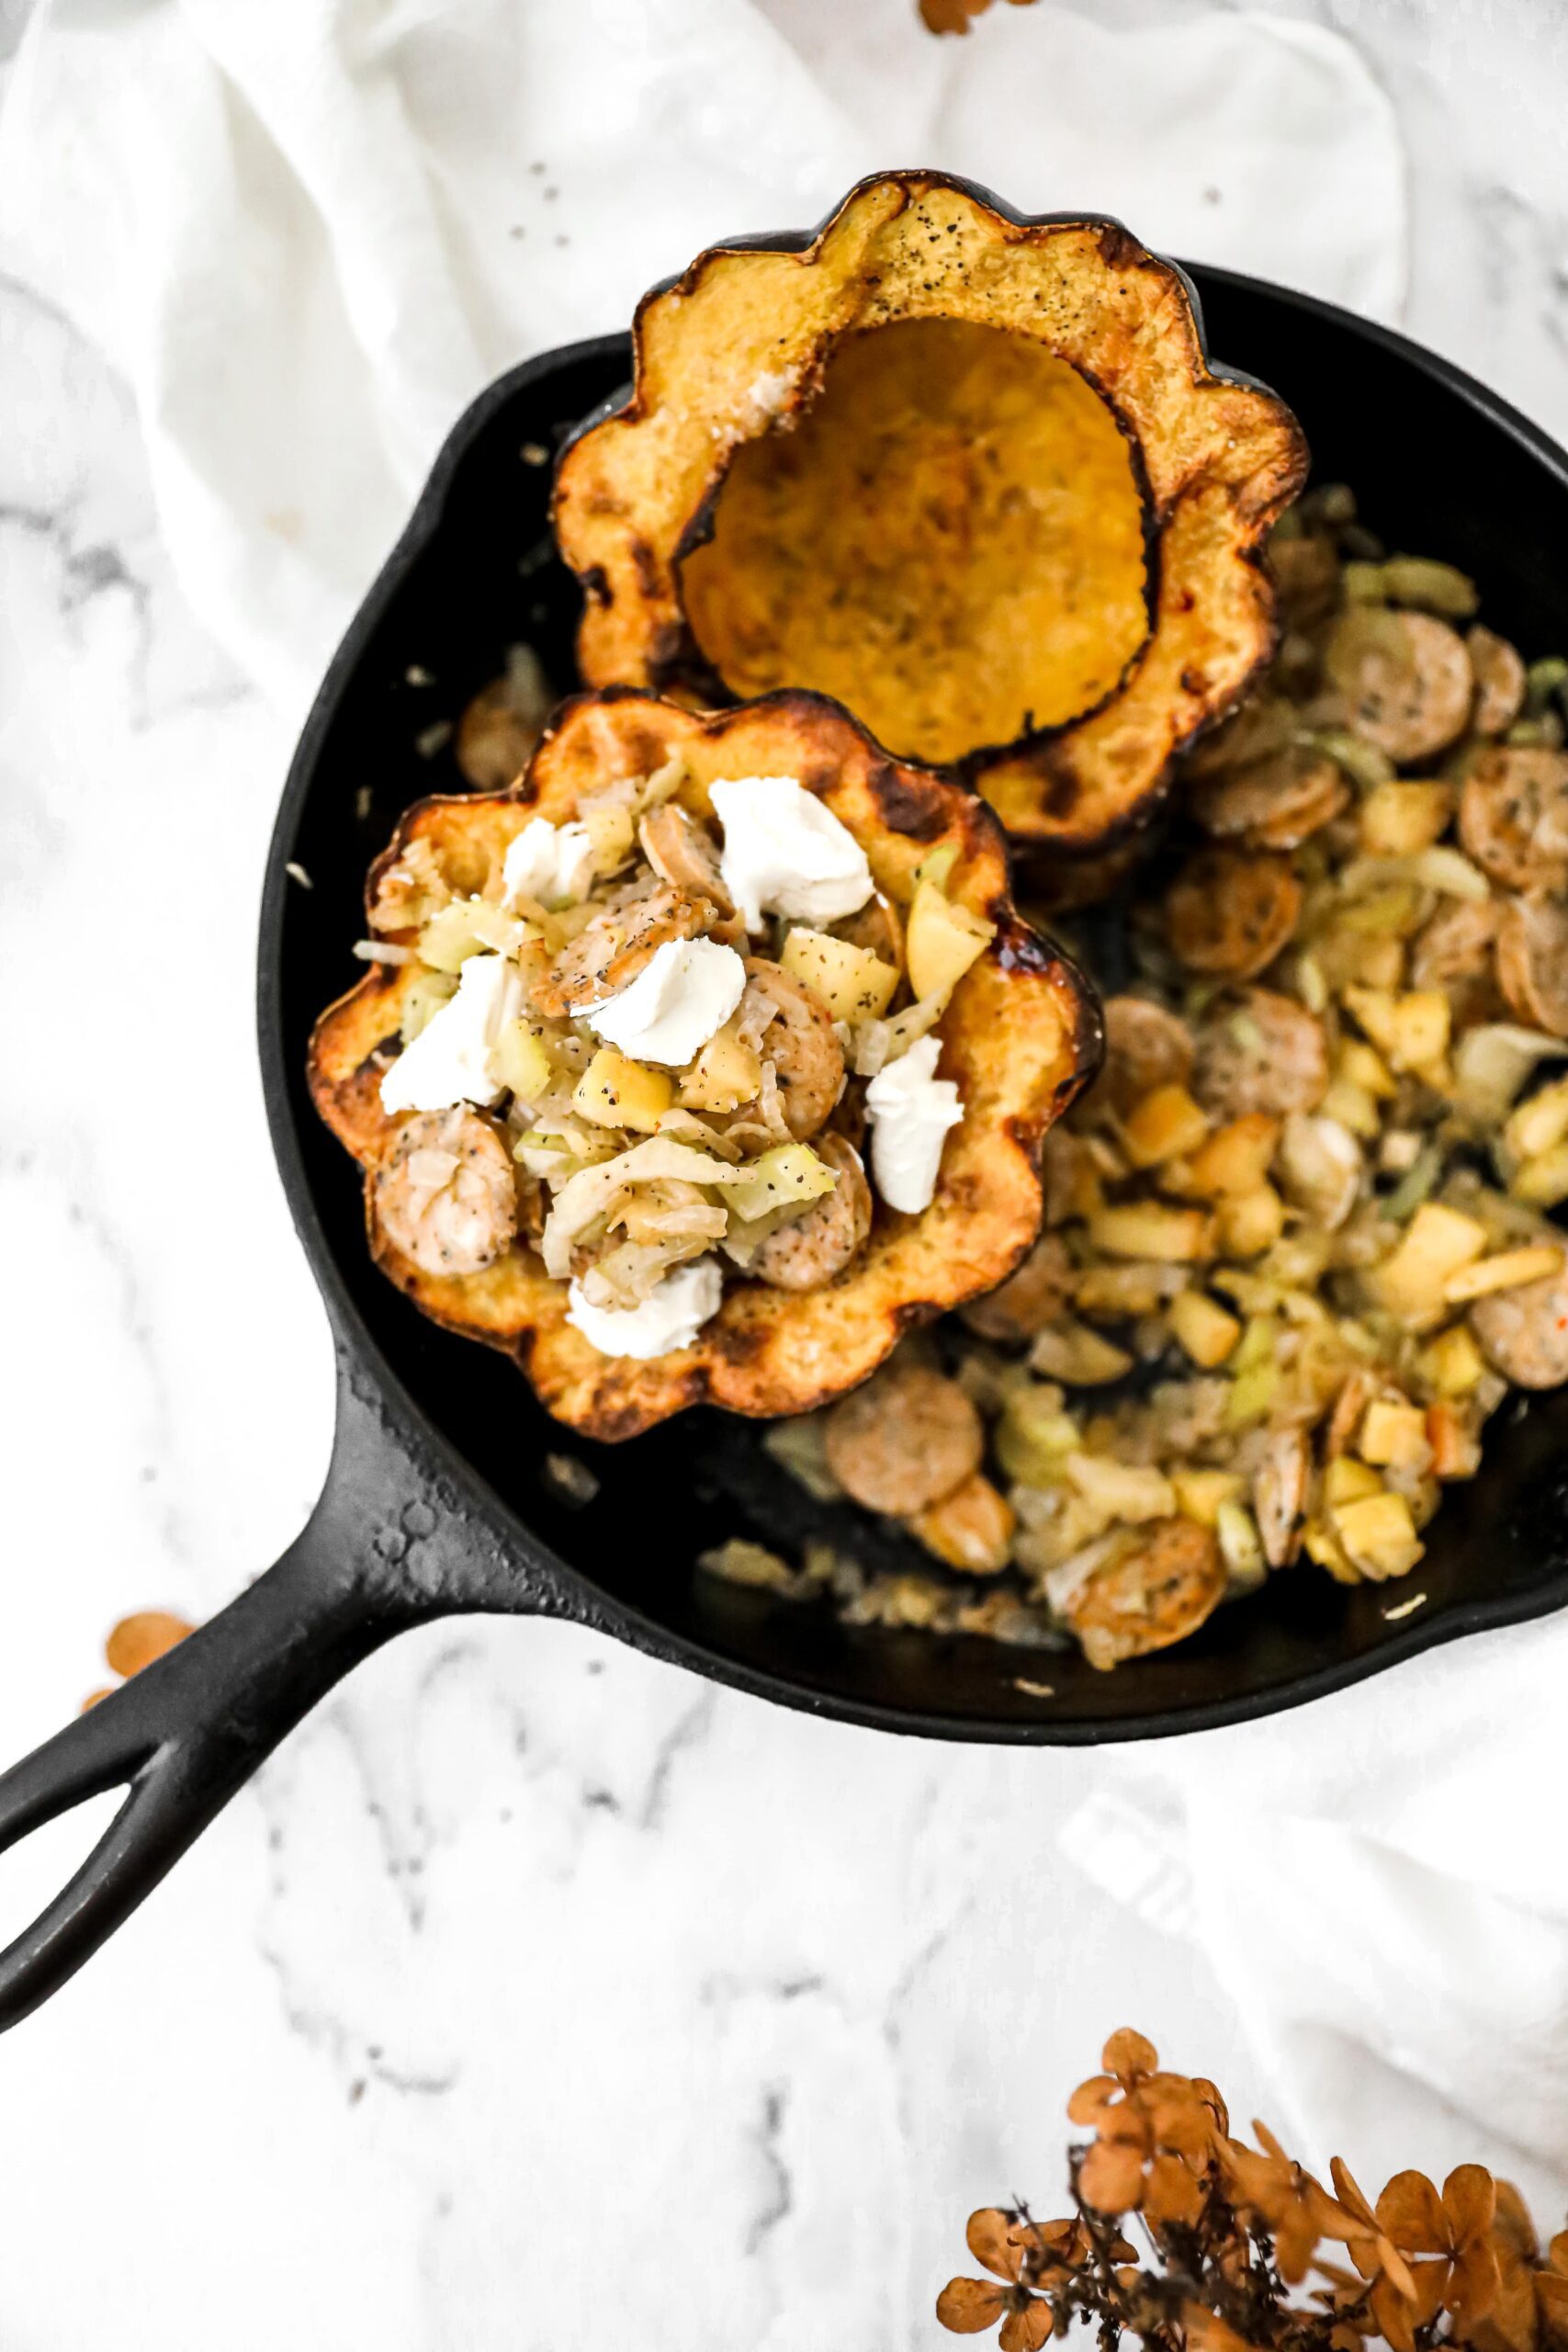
439,1499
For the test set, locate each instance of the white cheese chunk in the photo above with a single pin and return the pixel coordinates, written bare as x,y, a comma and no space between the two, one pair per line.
449,1060
670,1317
910,1109
685,991
786,854
553,863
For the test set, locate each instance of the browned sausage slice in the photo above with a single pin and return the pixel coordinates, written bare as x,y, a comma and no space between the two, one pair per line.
1276,803
1404,678
1524,1332
904,1440
1230,912
809,1249
1513,816
1532,962
1260,1051
1159,1590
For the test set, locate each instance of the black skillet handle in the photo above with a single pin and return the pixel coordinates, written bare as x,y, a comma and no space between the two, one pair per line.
389,1545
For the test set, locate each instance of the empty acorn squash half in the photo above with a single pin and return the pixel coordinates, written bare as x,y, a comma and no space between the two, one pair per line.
970,474
1021,1035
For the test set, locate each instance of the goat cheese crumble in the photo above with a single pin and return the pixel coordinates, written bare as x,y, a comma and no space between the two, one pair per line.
687,989
786,854
668,1317
553,863
910,1109
448,1062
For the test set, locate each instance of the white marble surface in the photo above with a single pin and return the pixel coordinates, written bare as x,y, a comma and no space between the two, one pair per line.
537,1995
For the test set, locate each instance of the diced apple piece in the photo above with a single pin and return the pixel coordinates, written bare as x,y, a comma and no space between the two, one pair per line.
1200,1493
1379,1536
1131,1491
1324,1550
1252,1394
1152,1229
1203,1329
1241,1546
1346,1480
467,927
422,1000
1033,1437
1393,1433
1398,819
1506,1270
853,983
971,1529
520,1059
615,1092
1073,1354
726,1074
942,940
936,867
1251,1222
1542,1182
1410,1026
1361,1065
612,835
1452,1361
1115,1290
1162,1125
790,1172
1540,1123
1437,1241
1236,1159
1353,1107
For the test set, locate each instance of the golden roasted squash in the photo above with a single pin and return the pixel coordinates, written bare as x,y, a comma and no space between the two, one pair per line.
969,474
1021,1035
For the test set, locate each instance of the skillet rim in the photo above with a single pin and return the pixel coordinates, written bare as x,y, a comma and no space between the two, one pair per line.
556,1586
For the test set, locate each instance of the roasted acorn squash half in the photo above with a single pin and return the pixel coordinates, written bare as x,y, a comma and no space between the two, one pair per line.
968,473
1021,1035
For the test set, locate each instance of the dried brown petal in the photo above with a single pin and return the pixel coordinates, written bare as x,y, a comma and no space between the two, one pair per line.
1470,2201
965,2306
1028,2327
139,1639
1410,2211
1551,2301
1171,2193
1090,2099
1128,2054
951,16
1112,2179
1208,2094
1207,2331
998,2241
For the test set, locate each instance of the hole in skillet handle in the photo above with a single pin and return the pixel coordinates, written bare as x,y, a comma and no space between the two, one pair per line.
390,1544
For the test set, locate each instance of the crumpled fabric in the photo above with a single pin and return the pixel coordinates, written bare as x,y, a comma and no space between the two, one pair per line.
308,234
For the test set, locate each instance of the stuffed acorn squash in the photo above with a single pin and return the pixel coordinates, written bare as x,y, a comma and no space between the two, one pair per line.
972,475
643,1078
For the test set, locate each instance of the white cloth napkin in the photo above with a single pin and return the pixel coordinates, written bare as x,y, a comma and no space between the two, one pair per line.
1380,1881
307,233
